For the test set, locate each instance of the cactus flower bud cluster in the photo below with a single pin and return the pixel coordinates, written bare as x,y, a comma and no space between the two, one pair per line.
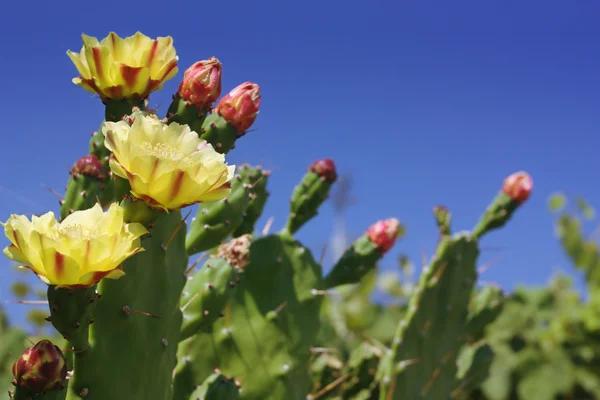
201,84
88,165
518,186
240,106
40,368
384,233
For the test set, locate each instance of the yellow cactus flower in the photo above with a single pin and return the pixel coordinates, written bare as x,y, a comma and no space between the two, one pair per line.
168,166
79,251
129,68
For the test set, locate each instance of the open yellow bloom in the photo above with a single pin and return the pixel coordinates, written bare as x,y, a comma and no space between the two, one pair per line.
168,166
131,68
77,252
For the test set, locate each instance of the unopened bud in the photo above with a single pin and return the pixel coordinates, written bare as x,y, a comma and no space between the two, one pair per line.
88,165
324,168
384,233
518,186
201,84
40,368
240,106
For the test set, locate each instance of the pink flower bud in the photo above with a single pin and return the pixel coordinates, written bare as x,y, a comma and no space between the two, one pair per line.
88,165
201,84
240,106
325,168
40,368
384,233
518,186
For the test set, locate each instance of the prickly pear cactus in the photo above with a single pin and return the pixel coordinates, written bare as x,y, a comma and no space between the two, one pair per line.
138,322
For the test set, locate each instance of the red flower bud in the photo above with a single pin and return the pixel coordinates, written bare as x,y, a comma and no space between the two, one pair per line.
240,106
88,165
384,233
201,84
325,168
40,368
518,186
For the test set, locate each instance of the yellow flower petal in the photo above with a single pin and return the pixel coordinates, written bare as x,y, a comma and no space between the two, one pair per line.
79,251
168,166
118,68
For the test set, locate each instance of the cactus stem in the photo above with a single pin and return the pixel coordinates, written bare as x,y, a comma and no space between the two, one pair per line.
37,302
267,227
323,253
179,226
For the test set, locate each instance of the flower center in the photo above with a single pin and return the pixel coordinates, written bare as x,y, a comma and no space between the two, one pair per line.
163,151
76,231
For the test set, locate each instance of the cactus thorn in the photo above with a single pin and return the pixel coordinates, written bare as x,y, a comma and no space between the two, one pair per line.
267,227
76,324
430,382
48,188
179,226
328,388
84,392
90,320
164,342
48,318
128,310
487,265
194,264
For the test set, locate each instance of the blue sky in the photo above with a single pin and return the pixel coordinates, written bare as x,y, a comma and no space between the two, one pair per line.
422,102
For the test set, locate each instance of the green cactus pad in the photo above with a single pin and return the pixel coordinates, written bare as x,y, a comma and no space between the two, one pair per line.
354,264
205,295
474,362
325,369
23,394
82,193
306,200
485,306
133,341
257,178
496,215
217,220
186,114
218,132
216,387
362,367
421,363
71,313
268,327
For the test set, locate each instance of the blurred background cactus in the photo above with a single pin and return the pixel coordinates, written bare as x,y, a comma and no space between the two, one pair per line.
156,281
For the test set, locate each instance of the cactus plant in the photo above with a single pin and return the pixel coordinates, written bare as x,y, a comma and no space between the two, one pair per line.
140,323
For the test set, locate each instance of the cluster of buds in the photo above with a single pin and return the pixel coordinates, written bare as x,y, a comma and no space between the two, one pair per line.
40,368
384,233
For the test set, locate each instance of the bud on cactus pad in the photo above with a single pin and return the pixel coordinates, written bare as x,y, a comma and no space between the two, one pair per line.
515,191
384,233
240,106
88,165
364,253
325,168
518,186
310,193
40,368
201,83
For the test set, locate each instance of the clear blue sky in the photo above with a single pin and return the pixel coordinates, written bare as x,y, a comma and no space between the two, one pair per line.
422,102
